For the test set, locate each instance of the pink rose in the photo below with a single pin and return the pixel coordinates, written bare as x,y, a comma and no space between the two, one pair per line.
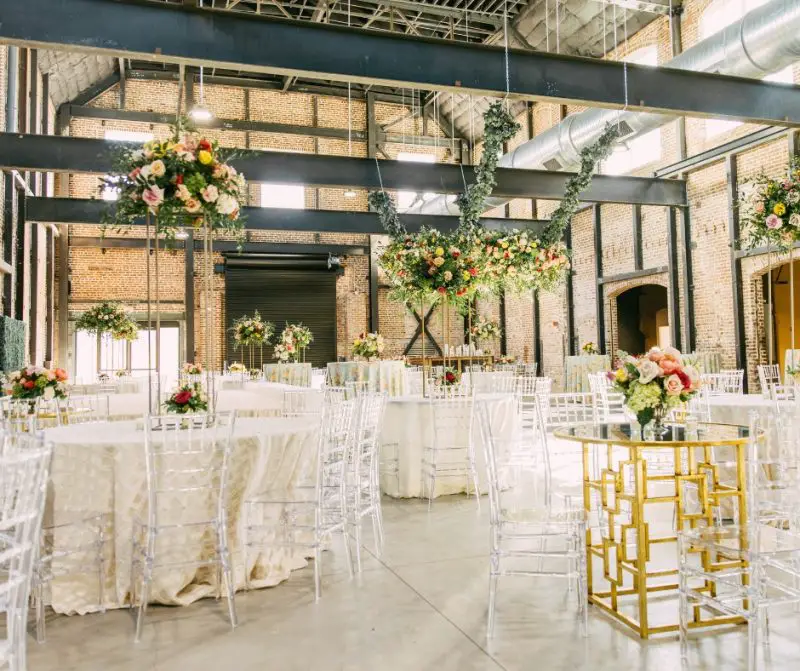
669,366
655,354
774,222
210,193
193,206
760,206
183,193
153,196
133,174
673,385
220,171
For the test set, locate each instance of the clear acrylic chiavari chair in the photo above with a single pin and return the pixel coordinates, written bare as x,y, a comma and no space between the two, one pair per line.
609,402
302,403
768,375
187,460
363,481
529,536
494,382
451,451
743,570
24,464
85,409
571,409
307,517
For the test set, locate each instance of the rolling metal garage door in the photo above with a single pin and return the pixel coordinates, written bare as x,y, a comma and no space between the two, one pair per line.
284,296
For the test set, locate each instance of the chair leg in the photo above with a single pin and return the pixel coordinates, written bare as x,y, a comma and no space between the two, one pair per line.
492,600
752,639
318,570
357,533
379,520
683,617
230,585
40,622
143,596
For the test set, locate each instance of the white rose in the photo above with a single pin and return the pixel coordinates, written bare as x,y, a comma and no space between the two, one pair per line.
146,171
794,220
648,370
226,204
157,168
49,393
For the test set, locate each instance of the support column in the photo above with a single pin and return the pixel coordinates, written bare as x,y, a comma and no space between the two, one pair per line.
688,280
674,286
373,284
598,272
732,185
188,293
570,299
636,222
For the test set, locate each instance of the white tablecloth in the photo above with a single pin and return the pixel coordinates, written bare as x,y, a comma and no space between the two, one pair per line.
408,428
736,408
298,374
386,376
109,476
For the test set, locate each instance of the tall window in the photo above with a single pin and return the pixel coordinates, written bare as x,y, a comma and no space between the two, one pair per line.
109,192
718,15
644,149
406,199
289,196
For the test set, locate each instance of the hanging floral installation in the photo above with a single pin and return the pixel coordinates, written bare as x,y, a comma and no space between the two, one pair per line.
770,214
108,317
250,331
368,346
185,180
430,266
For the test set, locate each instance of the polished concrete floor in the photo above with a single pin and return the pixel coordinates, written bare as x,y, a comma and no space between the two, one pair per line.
421,607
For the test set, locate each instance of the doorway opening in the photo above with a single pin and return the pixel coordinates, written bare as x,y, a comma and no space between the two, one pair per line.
643,319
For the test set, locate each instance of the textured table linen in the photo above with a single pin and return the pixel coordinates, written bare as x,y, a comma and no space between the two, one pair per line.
736,408
385,376
577,369
408,428
268,456
297,374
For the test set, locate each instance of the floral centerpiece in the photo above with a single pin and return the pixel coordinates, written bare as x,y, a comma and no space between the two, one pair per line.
121,373
237,368
368,346
515,261
186,399
590,348
186,179
484,329
655,383
34,382
102,377
292,343
108,317
192,369
506,359
251,331
793,372
449,377
770,215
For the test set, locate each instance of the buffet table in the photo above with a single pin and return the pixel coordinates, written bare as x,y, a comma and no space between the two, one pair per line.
109,476
408,428
385,376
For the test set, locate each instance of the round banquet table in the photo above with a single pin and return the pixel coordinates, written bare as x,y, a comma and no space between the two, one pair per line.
408,428
736,408
101,468
386,376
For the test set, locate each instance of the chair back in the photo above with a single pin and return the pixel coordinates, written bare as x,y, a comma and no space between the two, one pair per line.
608,401
572,409
357,388
494,382
452,421
368,419
302,402
187,460
768,375
85,409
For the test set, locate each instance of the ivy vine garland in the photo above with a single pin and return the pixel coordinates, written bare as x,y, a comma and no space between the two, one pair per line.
430,265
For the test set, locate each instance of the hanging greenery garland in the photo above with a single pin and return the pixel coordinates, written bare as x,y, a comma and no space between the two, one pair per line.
430,266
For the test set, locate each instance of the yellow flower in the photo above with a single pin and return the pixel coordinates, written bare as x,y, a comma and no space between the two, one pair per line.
357,341
204,157
779,209
439,251
621,375
504,245
438,261
466,275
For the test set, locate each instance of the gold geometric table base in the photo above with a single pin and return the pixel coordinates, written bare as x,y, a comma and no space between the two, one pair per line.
637,493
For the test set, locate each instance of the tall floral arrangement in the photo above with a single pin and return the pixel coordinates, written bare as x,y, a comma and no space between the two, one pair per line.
108,317
485,329
251,331
33,382
770,215
184,180
292,342
655,382
368,345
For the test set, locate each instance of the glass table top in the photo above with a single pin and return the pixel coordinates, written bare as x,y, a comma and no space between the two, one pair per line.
619,434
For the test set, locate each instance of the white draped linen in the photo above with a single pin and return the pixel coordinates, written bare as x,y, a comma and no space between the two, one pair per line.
408,428
380,376
268,455
736,408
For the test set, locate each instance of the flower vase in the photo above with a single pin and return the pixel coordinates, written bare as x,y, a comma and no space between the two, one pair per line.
655,429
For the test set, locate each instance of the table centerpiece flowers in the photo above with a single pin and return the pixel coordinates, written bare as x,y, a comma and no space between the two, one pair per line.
292,343
368,346
449,377
108,317
237,368
655,383
35,382
186,399
192,368
590,348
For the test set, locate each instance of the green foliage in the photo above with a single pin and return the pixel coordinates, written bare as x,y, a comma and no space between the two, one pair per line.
108,317
13,333
770,215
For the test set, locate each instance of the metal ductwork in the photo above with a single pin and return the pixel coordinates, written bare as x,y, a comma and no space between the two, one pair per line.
763,41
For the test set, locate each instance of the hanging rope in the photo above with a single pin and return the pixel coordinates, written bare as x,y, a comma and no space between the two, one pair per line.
505,39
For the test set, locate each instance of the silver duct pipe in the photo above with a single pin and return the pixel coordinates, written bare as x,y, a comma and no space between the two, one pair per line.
763,41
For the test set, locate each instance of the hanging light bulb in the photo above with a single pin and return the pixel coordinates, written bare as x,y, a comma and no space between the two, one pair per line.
349,193
199,111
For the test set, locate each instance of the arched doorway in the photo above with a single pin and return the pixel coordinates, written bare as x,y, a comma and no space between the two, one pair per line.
642,319
781,311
